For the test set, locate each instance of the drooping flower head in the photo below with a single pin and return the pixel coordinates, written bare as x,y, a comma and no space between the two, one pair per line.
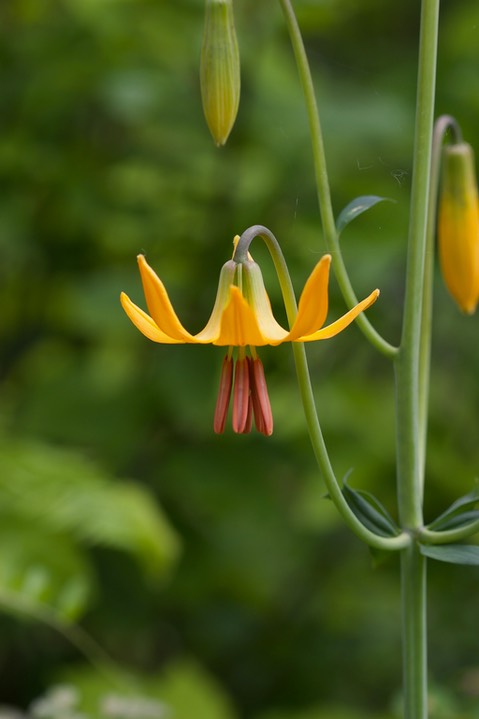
458,226
241,318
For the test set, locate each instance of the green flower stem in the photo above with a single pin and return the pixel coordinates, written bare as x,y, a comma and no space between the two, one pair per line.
413,596
388,543
412,377
442,125
403,539
322,182
448,536
412,361
411,383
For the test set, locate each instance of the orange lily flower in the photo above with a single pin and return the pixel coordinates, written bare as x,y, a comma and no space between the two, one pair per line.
241,317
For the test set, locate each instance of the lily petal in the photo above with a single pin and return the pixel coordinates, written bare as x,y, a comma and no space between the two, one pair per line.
159,304
212,330
144,323
335,327
313,303
239,326
257,297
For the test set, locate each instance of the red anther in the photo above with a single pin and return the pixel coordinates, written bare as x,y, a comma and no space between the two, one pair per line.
224,394
241,397
263,416
258,415
249,417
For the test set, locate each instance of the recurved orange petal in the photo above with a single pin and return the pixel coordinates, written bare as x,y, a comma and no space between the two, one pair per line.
313,303
159,304
335,327
144,322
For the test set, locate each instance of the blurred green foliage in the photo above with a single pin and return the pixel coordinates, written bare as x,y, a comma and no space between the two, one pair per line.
271,607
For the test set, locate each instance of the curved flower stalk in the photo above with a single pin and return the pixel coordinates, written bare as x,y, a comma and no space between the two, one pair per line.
241,318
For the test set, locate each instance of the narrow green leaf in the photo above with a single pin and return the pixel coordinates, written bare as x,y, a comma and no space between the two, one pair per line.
357,207
369,510
452,553
457,520
461,506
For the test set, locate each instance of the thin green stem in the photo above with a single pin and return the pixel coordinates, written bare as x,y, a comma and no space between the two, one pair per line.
442,125
413,591
412,376
322,457
411,382
448,536
322,182
307,396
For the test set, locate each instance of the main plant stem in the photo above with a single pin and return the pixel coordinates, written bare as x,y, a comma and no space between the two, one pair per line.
412,381
414,632
412,360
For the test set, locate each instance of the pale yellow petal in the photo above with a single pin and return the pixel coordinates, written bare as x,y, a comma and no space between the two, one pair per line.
144,323
212,330
159,304
335,327
255,293
313,303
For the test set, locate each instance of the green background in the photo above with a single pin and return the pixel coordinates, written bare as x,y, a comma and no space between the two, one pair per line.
212,569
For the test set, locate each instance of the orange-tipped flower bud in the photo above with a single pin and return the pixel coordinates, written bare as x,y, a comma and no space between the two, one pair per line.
220,69
458,226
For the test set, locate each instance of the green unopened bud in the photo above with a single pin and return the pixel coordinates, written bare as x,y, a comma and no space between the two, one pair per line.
220,69
458,226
